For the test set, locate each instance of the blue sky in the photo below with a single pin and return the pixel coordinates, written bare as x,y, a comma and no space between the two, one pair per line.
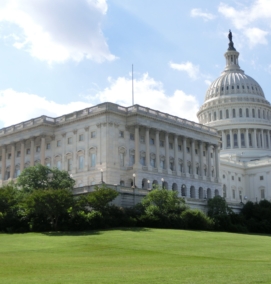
59,56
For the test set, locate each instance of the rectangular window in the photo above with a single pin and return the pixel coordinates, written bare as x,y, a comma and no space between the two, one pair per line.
81,163
233,113
233,193
151,141
143,161
196,151
239,179
81,137
69,165
70,140
262,194
132,160
179,148
93,159
220,114
203,153
261,177
27,151
48,146
58,143
9,156
153,162
171,166
58,165
121,134
232,178
162,164
142,139
18,153
161,143
38,149
250,139
187,149
132,136
93,134
170,145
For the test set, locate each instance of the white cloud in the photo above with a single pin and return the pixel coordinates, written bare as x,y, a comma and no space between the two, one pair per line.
149,93
198,13
188,67
207,82
248,20
56,31
29,106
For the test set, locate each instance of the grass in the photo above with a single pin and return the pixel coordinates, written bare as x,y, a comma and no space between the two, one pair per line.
135,256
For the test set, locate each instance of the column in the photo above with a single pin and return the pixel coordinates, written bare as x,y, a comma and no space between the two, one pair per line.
262,144
224,142
268,137
255,138
157,145
193,166
74,150
201,158
42,151
166,151
184,156
12,161
63,146
216,162
208,160
3,169
176,153
87,148
247,138
239,138
22,156
136,146
231,139
147,143
32,152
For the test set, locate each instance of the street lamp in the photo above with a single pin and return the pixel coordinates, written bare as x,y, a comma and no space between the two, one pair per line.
162,183
134,175
148,184
102,176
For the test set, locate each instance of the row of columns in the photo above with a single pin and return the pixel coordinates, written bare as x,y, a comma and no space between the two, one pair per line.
175,149
258,138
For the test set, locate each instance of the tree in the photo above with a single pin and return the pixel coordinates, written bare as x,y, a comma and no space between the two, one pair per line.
42,177
218,206
50,204
100,198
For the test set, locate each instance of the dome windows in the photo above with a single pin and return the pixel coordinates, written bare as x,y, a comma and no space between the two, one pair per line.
227,113
240,112
238,87
233,113
243,87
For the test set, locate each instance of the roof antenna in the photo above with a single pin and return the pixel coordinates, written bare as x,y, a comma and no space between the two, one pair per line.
133,84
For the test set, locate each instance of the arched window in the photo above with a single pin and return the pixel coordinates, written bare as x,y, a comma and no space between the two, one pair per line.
240,112
247,112
233,113
227,113
259,113
253,112
220,114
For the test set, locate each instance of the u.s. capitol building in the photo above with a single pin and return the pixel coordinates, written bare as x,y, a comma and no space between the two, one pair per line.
228,153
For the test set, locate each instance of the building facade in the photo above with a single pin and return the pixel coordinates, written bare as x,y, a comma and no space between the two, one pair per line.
235,105
118,145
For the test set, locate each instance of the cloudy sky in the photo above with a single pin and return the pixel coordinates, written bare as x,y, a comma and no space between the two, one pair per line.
59,56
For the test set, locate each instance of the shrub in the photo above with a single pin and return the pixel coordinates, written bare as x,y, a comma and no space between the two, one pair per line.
196,220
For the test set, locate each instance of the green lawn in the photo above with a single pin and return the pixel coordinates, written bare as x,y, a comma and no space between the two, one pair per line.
135,256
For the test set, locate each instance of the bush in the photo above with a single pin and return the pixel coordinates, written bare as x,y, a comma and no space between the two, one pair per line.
196,220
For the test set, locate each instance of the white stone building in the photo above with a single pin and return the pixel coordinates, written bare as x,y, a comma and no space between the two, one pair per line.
121,142
236,106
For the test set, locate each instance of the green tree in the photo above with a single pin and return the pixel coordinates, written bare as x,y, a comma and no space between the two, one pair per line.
218,206
50,204
42,177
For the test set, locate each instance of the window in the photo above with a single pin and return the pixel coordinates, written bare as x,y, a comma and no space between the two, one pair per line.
70,140
243,140
27,151
153,162
227,113
214,115
239,179
48,165
171,166
161,143
58,165
122,159
81,163
151,141
143,161
92,134
170,145
224,191
223,176
81,137
204,153
259,113
181,167
250,139
228,140
233,113
132,136
261,177
253,112
232,178
179,148
58,143
132,159
233,193
187,149
196,151
38,149
17,172
69,164
48,146
162,164
240,112
18,153
235,142
209,116
142,139
0,158
93,159
121,134
262,194
221,115
247,112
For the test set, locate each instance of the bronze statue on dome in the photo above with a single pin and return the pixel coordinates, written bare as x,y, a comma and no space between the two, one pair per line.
230,36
